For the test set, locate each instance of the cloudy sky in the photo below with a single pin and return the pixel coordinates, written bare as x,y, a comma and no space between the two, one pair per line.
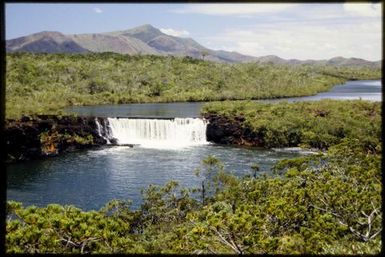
301,31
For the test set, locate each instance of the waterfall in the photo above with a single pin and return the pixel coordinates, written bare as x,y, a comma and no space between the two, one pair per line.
103,130
159,133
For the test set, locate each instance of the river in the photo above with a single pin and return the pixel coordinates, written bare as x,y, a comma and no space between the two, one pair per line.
370,90
90,178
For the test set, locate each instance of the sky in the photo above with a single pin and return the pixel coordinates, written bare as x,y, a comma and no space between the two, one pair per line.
290,31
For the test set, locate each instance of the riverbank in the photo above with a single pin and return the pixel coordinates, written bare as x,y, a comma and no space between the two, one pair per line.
49,135
47,83
318,124
309,209
302,211
308,125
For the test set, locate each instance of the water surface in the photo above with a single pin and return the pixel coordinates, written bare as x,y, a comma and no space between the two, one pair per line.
370,90
91,178
361,89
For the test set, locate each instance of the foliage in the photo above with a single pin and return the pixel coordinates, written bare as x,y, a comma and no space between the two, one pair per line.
317,124
45,83
66,229
52,141
320,204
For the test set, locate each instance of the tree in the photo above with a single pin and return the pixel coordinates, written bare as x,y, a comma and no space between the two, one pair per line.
204,53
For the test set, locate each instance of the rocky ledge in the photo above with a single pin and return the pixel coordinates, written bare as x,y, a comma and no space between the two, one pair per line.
48,135
230,131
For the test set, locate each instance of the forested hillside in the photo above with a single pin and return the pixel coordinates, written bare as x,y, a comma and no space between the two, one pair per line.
45,83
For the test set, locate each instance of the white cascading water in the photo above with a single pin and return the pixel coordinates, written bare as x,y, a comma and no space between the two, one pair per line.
103,130
159,133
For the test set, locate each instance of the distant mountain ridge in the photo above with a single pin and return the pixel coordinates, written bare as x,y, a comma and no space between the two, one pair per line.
147,39
335,61
45,41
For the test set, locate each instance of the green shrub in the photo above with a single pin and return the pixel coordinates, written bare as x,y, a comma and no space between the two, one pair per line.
45,83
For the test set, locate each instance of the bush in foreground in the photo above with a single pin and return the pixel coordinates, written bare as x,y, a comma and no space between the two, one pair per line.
322,204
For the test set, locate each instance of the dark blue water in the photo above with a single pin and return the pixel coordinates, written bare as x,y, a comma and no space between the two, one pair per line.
182,110
362,89
91,178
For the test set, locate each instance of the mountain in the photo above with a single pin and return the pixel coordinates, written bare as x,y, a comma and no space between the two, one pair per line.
341,61
144,39
107,43
147,39
270,59
335,61
46,41
169,45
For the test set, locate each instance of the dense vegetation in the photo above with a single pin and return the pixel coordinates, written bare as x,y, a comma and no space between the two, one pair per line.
317,124
332,207
328,203
45,83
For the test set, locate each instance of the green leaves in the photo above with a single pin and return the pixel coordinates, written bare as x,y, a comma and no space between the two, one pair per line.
325,204
318,124
58,229
45,83
329,203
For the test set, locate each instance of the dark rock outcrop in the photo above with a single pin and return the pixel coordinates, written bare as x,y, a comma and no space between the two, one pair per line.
47,135
225,130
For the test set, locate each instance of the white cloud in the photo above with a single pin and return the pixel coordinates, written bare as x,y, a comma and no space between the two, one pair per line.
304,41
363,9
300,31
175,33
233,9
98,10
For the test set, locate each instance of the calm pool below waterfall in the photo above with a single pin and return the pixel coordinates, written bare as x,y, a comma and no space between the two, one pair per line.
90,178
